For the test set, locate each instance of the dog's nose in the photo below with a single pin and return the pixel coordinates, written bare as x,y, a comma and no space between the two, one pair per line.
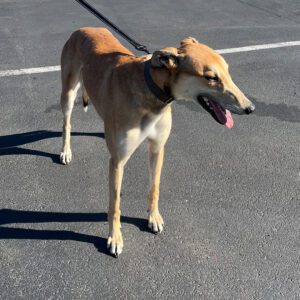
250,109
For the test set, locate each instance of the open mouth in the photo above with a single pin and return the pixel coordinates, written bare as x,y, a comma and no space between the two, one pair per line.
220,114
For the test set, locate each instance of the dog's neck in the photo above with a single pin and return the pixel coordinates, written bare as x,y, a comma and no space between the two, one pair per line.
158,82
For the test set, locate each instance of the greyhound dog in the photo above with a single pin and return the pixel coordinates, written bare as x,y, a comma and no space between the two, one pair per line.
133,97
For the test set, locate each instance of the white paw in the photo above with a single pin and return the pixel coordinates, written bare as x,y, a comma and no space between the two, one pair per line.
66,157
115,245
156,222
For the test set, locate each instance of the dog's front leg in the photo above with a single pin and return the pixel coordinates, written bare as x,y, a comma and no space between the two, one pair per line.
155,220
115,240
156,157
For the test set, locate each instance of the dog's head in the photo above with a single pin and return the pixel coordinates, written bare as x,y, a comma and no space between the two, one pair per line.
197,72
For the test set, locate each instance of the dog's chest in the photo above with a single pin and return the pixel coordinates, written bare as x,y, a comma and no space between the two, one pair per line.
148,128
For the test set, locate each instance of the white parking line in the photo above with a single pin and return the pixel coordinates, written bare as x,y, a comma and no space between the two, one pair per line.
259,47
29,71
221,51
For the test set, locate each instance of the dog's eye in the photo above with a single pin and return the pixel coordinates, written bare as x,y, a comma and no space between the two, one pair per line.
211,78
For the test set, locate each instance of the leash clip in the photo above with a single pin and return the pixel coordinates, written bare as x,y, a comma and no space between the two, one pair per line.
142,48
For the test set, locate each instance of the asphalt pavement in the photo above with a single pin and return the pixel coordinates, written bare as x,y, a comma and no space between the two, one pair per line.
230,198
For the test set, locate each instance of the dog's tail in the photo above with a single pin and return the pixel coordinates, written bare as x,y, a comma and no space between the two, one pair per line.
85,99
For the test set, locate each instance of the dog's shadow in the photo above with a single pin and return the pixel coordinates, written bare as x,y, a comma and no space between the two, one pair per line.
8,216
10,144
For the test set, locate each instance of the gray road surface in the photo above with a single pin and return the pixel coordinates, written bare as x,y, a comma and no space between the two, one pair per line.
230,198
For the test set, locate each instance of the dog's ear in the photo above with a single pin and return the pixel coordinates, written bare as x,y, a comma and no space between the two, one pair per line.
188,40
167,58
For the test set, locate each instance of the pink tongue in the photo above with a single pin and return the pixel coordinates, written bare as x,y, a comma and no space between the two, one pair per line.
224,118
229,122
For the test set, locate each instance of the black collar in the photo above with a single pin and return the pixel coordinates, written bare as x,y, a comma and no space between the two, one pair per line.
153,87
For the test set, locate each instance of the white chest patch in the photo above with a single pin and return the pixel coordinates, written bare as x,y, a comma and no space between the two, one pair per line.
131,139
148,126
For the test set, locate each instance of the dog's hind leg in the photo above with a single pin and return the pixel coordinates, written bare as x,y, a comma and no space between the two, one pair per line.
70,73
